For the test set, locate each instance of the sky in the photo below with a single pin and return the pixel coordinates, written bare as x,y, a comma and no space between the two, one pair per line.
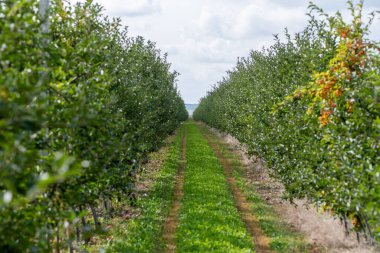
204,38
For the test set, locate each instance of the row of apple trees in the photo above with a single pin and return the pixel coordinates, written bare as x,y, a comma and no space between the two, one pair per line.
310,107
81,105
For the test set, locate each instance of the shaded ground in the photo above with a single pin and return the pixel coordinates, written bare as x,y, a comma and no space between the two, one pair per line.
137,226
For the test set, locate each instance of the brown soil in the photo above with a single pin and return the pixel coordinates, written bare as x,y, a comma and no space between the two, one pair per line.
260,241
319,229
171,223
151,169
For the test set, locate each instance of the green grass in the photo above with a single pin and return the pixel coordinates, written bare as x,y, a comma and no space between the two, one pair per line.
283,238
143,233
209,220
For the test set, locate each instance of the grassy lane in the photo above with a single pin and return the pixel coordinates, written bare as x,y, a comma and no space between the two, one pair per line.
209,220
143,233
282,237
261,241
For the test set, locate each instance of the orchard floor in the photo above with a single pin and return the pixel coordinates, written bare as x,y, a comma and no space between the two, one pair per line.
202,193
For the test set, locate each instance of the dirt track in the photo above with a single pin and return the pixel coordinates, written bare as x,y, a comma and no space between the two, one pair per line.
171,223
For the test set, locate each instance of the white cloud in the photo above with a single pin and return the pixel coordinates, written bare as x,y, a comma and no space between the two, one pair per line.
213,23
264,19
215,50
131,7
258,19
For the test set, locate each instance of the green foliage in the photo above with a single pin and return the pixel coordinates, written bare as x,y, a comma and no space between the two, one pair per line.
334,164
208,219
80,107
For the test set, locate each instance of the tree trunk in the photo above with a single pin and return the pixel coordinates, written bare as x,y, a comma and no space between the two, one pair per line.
96,219
107,211
57,244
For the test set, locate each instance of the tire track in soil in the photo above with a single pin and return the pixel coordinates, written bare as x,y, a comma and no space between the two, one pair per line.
170,226
260,241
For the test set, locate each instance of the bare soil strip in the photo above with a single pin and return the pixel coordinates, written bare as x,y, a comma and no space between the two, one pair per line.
260,241
171,223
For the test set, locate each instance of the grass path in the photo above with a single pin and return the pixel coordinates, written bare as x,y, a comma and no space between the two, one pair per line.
208,220
260,240
200,201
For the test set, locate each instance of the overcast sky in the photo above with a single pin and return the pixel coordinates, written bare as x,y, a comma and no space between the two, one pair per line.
203,38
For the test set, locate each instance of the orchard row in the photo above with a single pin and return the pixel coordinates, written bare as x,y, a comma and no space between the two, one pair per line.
81,105
309,107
